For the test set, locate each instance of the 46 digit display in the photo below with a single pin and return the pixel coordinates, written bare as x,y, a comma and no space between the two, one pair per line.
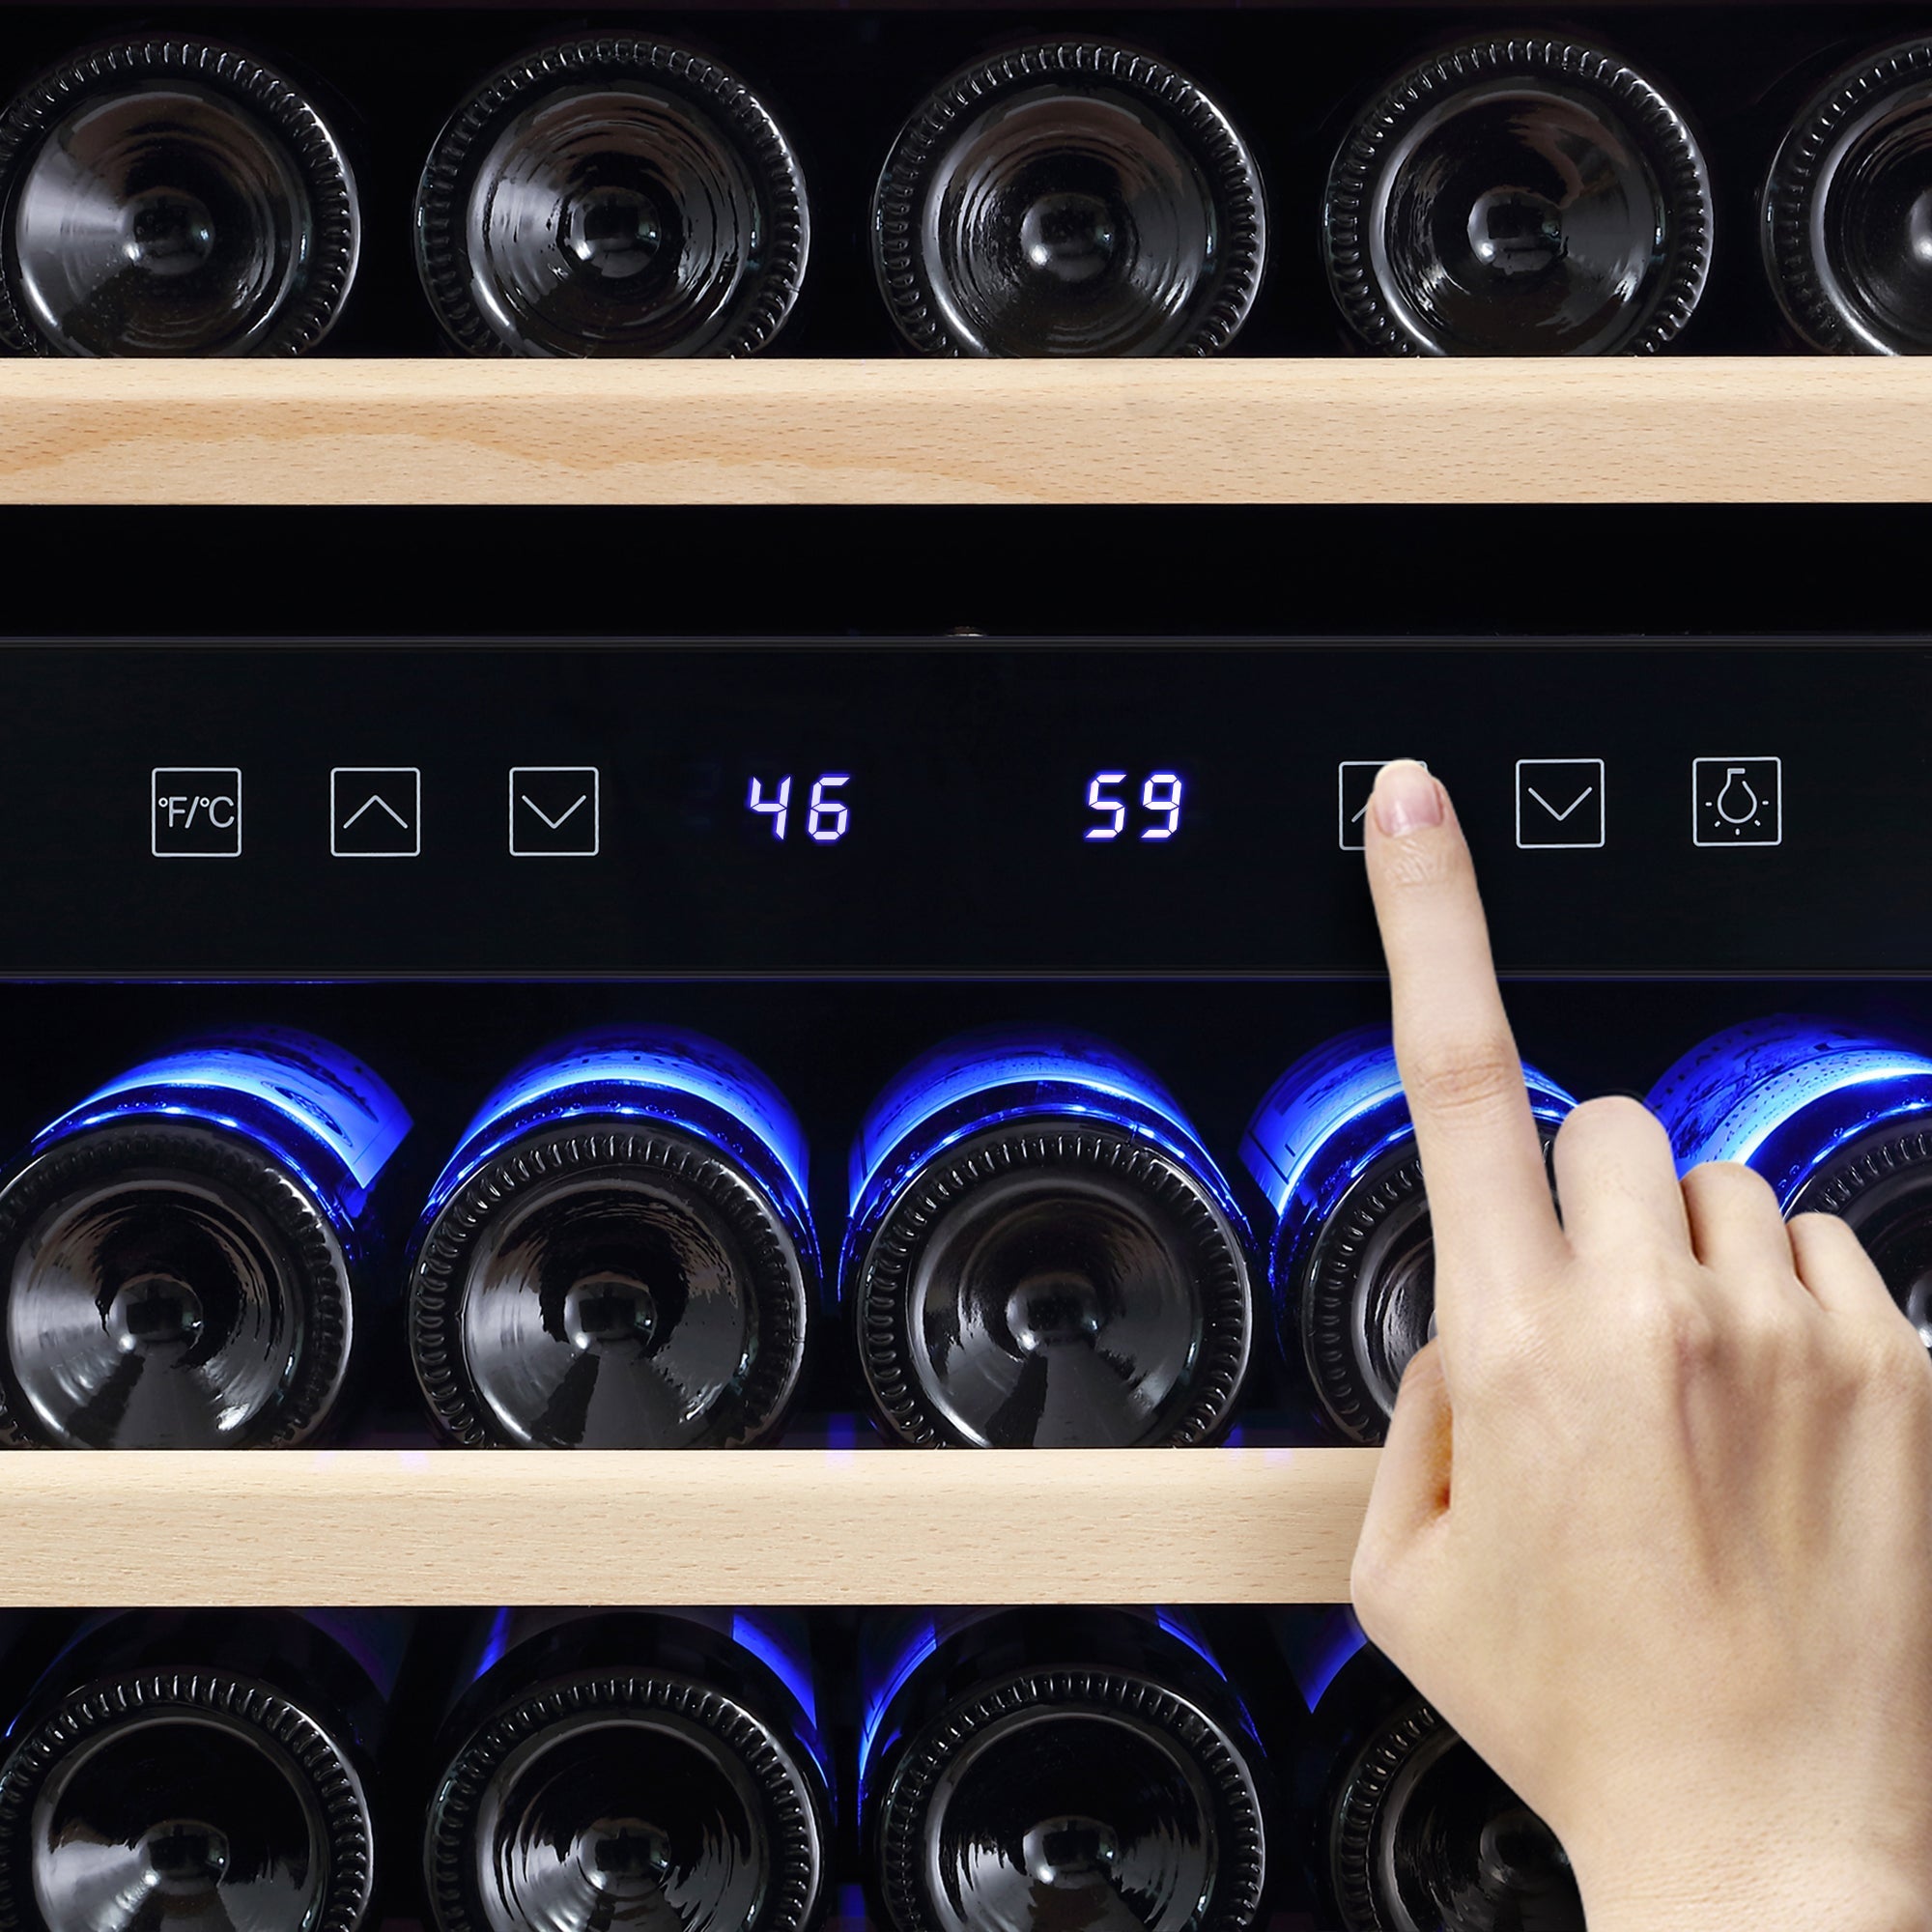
826,814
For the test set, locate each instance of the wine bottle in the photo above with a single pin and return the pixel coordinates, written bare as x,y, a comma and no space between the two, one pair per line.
619,1253
171,197
1351,1260
1846,213
180,1250
1068,198
612,196
1036,1770
631,1767
199,1768
1403,1828
1041,1253
1835,1120
1519,196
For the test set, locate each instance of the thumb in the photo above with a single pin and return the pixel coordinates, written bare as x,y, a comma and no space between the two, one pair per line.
1411,1496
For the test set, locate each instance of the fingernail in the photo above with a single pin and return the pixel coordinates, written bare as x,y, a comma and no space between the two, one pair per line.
1405,798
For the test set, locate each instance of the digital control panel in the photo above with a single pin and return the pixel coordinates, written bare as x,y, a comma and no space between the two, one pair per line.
672,809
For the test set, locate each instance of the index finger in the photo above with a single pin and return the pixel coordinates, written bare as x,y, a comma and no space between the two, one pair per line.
1481,1157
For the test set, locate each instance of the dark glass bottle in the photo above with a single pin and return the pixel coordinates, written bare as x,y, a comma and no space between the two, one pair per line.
171,197
1041,1253
619,1255
1403,1827
1068,198
1351,1260
1846,217
178,1253
631,1767
1042,1769
1519,196
1835,1120
612,196
199,1768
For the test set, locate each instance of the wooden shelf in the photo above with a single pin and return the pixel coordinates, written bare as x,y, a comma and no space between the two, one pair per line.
859,1526
1678,429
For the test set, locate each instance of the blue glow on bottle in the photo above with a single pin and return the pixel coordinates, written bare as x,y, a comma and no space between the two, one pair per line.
1182,1630
150,1311
1332,1146
1330,1118
543,1715
545,1311
931,1682
767,1642
922,1635
1786,1096
377,1641
503,1631
685,1080
985,1080
1321,1646
920,1641
779,1640
1041,1253
318,1110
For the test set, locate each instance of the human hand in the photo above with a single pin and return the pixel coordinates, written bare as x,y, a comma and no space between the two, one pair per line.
1652,1529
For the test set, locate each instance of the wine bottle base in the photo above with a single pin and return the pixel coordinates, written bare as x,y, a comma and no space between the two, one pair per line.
1054,1284
602,1284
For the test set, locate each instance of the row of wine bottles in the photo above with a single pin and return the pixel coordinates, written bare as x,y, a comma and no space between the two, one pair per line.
527,1771
610,194
1039,1248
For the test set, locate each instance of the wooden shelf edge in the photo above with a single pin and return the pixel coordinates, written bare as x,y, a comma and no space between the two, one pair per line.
1667,429
106,1528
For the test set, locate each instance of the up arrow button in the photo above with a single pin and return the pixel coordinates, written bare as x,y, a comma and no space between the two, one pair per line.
375,811
1559,804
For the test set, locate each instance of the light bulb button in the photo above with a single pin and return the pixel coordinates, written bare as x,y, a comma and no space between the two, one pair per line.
1737,801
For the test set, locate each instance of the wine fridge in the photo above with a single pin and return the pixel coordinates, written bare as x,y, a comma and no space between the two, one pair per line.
705,1216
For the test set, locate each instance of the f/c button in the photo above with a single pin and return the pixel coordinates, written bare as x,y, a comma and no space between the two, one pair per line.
194,812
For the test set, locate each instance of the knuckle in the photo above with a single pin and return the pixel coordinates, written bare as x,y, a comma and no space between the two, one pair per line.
1611,1127
1465,1077
1693,1339
1824,1245
1724,1184
1678,1330
1607,1114
1824,1229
